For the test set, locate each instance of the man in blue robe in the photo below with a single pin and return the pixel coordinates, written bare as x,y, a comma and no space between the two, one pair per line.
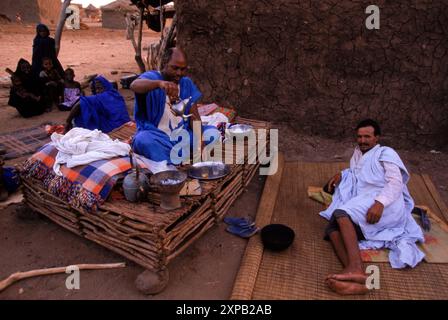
157,124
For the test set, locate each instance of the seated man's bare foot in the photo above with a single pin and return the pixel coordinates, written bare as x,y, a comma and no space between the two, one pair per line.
346,287
353,277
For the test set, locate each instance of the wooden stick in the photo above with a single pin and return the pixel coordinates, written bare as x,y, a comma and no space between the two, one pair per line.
41,272
138,51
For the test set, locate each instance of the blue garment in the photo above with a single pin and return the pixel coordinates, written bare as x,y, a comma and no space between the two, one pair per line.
104,111
150,141
11,179
356,193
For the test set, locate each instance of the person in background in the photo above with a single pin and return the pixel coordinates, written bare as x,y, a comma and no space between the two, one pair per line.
44,47
105,110
52,83
72,91
25,94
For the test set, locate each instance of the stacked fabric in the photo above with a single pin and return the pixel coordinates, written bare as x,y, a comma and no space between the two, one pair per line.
81,170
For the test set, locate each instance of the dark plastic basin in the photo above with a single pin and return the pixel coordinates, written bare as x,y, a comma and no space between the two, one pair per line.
277,237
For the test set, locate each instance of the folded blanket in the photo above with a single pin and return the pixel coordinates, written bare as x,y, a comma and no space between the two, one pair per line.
85,186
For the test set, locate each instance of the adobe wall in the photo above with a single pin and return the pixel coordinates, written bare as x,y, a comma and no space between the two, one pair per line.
313,64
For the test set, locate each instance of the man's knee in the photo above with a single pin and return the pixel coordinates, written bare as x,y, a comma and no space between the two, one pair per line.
341,216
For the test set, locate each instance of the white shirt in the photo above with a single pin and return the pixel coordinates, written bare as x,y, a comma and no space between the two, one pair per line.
169,120
392,174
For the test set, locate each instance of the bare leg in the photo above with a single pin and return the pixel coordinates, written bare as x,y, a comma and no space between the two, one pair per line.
350,239
352,279
339,247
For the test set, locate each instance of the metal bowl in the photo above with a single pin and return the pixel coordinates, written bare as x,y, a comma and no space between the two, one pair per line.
208,170
239,129
168,181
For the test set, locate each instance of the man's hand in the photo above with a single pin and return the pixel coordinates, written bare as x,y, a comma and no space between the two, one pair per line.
170,88
375,212
334,182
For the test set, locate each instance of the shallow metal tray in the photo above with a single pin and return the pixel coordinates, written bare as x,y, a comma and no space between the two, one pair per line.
208,170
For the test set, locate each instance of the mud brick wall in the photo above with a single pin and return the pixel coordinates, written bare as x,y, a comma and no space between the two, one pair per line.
314,65
32,11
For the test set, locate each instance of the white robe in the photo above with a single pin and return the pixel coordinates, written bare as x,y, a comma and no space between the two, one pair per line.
356,193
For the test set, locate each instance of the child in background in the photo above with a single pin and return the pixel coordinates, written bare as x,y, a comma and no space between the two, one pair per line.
72,90
52,82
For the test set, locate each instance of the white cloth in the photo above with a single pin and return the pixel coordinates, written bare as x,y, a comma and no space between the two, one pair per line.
169,121
392,175
82,146
214,119
364,182
154,166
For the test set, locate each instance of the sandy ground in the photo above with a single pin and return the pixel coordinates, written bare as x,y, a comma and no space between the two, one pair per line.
207,269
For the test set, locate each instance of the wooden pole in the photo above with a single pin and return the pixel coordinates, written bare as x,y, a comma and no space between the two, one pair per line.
60,27
40,272
138,53
166,41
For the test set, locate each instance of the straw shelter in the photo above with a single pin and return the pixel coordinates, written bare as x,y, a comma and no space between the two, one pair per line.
114,14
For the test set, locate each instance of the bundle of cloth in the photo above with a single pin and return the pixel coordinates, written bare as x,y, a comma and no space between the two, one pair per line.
81,146
82,166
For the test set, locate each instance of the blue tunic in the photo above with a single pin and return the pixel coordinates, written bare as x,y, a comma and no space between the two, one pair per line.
150,141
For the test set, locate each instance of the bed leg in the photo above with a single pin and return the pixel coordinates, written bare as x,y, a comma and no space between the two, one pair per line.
152,282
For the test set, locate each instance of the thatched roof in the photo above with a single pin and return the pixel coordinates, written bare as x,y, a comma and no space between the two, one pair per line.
91,7
120,5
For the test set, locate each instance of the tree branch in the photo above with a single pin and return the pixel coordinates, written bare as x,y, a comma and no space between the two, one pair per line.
60,27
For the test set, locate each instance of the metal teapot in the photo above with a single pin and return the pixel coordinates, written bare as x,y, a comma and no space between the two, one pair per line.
179,108
135,184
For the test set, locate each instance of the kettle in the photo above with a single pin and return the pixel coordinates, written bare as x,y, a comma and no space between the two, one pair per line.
135,184
179,108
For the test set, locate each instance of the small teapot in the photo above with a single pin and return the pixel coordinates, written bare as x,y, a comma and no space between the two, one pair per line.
135,184
179,108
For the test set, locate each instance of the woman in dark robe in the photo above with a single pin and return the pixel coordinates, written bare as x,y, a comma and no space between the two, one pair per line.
25,94
44,46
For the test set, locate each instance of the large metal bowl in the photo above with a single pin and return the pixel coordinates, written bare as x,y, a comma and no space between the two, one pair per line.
208,170
239,129
168,181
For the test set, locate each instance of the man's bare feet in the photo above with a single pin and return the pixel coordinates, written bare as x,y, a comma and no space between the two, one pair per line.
346,287
352,277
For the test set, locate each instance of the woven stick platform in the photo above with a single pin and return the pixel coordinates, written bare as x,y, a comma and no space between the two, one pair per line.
299,272
143,232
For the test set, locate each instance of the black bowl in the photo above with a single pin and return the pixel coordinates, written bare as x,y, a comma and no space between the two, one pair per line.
277,237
